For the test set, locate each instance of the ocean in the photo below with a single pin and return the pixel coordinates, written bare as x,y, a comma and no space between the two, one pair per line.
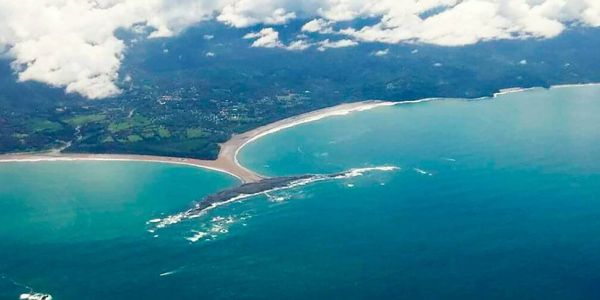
493,198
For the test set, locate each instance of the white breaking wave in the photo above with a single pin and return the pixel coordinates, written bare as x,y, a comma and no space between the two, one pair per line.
176,218
361,171
423,172
278,198
167,273
197,236
170,220
216,226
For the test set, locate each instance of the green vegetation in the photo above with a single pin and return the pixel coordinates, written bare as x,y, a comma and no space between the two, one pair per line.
134,138
193,133
39,125
135,122
164,132
84,119
117,127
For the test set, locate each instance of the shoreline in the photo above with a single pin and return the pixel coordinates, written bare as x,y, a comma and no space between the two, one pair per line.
552,87
53,156
227,161
511,91
238,142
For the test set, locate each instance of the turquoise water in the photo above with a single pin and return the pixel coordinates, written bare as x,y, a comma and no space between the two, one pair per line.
493,199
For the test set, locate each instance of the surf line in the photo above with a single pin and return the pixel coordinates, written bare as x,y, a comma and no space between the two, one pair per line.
262,187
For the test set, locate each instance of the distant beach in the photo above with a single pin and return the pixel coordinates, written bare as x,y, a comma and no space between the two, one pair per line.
511,91
521,89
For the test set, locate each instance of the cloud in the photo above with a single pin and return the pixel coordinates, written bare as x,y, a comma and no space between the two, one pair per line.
318,25
245,13
299,45
381,52
326,44
266,38
269,38
72,43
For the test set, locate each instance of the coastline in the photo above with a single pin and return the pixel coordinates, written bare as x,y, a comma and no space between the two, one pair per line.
552,87
560,86
511,91
238,142
227,161
54,156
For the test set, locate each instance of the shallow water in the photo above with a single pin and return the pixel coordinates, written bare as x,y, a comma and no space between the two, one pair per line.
493,199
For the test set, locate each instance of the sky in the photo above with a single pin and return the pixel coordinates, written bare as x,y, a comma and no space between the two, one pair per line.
72,44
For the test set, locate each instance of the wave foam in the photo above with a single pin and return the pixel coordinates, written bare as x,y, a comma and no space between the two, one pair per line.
215,227
191,213
167,273
361,171
197,236
423,172
278,198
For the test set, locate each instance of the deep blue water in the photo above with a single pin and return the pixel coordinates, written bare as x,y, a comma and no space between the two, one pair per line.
493,199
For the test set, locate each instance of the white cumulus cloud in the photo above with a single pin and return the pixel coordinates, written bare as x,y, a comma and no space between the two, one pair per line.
318,25
266,38
269,38
299,45
326,44
244,13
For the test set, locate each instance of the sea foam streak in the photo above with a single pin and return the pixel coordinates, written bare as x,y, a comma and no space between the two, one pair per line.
304,180
217,226
197,236
167,273
423,172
